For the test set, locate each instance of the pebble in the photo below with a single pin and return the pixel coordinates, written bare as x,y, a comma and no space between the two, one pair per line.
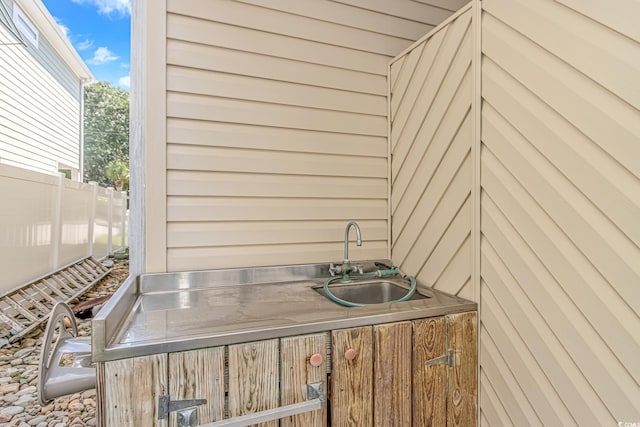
37,420
24,352
11,410
19,364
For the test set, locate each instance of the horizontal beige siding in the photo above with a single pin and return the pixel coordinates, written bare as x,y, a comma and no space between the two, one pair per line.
431,138
39,117
277,128
560,206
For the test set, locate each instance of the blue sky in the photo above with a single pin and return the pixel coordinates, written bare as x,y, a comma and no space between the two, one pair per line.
100,31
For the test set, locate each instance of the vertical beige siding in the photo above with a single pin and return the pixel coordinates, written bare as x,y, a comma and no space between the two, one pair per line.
277,127
560,169
431,134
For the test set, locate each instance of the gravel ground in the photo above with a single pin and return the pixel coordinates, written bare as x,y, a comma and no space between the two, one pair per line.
19,374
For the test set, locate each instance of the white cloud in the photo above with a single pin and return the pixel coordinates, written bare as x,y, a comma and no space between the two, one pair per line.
107,7
63,28
84,45
102,55
125,81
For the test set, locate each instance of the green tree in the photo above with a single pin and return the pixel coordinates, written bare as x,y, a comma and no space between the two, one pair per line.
106,130
117,171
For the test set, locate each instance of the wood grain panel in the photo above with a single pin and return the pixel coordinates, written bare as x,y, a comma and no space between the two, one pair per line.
429,402
352,380
199,374
392,374
132,389
253,378
462,392
297,372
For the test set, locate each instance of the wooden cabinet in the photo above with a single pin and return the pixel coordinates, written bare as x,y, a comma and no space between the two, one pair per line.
418,373
413,373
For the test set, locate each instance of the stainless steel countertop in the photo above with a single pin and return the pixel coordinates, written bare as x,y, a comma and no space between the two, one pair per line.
181,311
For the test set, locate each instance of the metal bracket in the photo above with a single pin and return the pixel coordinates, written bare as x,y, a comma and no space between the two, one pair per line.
315,391
188,417
447,359
166,405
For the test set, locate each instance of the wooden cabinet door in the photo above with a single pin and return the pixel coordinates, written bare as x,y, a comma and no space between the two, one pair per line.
129,390
462,391
198,374
352,379
445,395
254,378
296,371
389,383
392,375
429,382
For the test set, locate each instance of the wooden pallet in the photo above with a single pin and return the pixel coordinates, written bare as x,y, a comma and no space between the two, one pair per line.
25,308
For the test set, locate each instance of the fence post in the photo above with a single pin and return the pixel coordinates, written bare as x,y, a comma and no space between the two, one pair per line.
56,226
123,228
110,222
92,217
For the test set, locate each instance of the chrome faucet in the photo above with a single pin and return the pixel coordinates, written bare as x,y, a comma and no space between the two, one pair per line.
346,268
346,240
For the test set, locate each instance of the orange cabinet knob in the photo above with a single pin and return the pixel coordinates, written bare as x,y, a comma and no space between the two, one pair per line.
316,360
350,354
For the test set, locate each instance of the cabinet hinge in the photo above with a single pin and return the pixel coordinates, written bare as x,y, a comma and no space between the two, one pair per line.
447,359
166,405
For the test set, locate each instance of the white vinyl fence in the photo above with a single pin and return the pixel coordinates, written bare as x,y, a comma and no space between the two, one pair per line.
48,222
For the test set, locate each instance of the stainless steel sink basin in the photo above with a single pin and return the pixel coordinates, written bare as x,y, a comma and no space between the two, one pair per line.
373,291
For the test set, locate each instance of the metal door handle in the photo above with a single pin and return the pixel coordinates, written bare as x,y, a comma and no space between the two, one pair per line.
315,394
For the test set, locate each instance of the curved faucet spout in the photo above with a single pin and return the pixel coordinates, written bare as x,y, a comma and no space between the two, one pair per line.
346,239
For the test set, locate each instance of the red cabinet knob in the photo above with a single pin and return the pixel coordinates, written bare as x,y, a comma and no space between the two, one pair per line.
316,360
350,354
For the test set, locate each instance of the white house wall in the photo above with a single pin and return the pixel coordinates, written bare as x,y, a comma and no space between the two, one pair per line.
560,291
276,129
39,106
431,133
